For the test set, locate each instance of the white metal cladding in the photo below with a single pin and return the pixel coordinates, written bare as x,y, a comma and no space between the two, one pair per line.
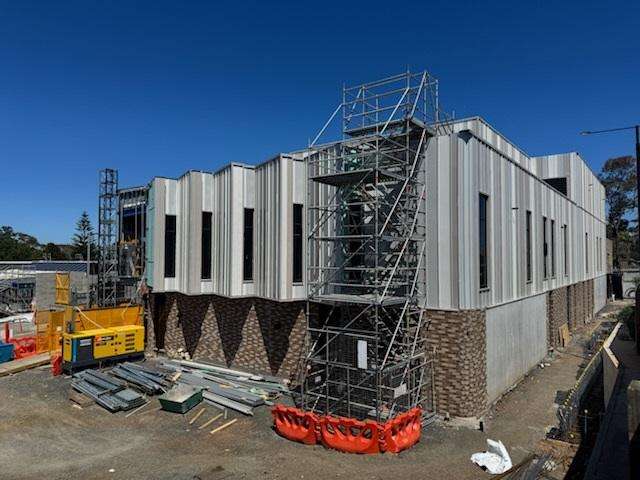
583,186
475,160
270,189
279,184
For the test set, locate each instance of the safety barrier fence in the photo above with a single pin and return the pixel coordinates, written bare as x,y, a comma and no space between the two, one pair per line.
348,434
49,325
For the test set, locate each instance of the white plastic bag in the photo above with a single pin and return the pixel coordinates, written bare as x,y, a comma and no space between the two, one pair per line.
495,460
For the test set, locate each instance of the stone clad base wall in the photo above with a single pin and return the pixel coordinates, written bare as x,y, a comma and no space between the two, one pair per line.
557,314
573,305
268,337
251,333
457,341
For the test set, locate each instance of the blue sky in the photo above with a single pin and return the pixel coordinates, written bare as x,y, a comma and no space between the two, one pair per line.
157,88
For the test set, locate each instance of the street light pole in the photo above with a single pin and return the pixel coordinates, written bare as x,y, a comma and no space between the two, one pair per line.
637,315
637,129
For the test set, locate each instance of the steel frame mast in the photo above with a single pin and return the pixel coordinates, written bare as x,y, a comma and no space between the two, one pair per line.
366,343
107,238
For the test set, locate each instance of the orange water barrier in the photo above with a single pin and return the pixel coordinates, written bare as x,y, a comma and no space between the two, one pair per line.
348,434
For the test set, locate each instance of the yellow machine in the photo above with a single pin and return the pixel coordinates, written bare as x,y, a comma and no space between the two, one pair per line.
92,347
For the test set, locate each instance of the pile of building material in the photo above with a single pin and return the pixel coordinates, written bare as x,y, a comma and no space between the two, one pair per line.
226,388
181,398
146,379
107,391
126,386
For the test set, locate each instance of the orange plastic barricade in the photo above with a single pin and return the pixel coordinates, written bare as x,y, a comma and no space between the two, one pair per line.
350,435
295,424
24,347
56,365
403,431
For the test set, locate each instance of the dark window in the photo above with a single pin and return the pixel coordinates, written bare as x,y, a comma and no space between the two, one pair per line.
528,247
553,248
586,251
248,245
297,243
560,184
545,248
205,270
565,234
484,251
169,246
600,254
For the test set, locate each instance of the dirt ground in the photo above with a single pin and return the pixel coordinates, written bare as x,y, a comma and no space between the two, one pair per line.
43,435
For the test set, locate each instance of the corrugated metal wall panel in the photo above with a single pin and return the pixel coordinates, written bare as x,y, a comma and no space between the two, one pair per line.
512,190
474,159
271,192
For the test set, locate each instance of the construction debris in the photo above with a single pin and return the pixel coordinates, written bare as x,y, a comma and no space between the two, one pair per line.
183,384
495,460
226,388
181,398
107,391
210,421
196,416
222,427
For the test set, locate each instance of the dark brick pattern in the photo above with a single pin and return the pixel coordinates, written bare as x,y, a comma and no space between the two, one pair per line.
581,303
256,334
573,305
458,342
557,315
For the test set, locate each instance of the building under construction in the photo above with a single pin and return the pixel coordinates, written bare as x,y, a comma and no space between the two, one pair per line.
403,259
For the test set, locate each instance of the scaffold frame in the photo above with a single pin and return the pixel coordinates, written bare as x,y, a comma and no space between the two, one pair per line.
107,238
366,282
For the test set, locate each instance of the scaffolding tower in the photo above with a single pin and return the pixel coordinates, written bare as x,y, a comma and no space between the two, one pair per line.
366,344
107,238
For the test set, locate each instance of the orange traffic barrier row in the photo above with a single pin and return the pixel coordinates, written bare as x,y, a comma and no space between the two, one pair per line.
295,424
348,434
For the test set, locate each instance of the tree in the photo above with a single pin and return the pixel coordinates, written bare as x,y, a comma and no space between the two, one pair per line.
18,246
619,179
52,251
83,237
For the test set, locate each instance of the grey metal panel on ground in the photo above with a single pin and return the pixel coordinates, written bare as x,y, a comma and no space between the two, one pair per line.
516,341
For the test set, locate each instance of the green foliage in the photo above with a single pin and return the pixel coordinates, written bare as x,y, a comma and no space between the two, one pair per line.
619,179
627,316
18,246
83,237
52,251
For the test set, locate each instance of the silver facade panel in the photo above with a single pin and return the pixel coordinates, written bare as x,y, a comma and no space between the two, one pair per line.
270,189
474,159
513,190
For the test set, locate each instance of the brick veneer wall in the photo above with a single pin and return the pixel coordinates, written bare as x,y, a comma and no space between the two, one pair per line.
557,315
573,304
581,303
256,334
458,340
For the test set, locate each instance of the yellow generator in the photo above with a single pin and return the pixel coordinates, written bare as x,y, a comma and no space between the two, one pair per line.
93,347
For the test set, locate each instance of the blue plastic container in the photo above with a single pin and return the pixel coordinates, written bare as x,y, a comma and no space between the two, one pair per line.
6,352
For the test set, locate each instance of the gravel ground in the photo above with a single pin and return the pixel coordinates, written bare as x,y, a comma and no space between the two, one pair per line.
43,435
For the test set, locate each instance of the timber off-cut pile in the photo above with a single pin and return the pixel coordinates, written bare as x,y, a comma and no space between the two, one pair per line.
227,388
